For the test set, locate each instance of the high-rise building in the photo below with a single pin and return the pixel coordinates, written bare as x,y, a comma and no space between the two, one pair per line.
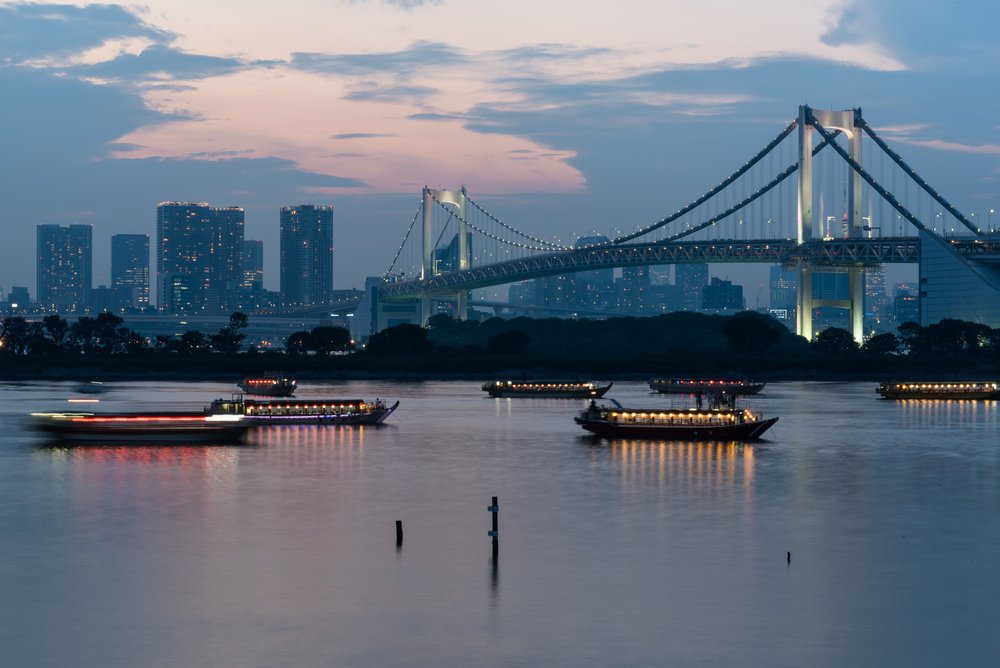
306,255
906,303
18,299
252,257
555,292
783,285
876,300
64,267
633,293
691,280
722,296
198,257
592,290
130,269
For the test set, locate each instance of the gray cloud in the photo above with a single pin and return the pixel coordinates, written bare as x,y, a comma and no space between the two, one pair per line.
431,116
358,135
371,91
50,30
924,35
549,52
161,59
419,56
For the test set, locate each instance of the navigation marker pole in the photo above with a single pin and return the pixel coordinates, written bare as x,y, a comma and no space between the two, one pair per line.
495,532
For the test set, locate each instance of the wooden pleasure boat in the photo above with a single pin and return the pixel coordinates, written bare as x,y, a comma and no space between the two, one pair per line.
729,386
304,411
723,423
552,389
956,390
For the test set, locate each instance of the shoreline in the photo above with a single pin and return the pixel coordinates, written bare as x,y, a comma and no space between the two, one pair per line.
810,375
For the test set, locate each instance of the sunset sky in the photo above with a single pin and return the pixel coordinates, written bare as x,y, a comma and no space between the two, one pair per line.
563,117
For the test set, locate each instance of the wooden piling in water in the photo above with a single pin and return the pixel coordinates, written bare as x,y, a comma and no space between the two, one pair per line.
494,508
399,532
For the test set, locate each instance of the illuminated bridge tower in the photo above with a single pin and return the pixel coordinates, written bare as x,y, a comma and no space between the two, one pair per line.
848,123
427,269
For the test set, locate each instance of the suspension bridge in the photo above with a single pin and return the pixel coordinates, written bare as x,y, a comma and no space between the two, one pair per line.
847,211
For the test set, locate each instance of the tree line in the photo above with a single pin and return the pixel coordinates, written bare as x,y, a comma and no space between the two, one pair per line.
106,334
681,342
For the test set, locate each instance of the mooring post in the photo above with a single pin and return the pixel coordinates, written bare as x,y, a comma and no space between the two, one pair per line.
495,532
399,532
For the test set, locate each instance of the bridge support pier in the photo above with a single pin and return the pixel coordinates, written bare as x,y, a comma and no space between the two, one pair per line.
804,303
848,123
856,290
428,268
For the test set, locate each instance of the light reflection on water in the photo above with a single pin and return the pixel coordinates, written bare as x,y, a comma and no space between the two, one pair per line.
612,552
723,467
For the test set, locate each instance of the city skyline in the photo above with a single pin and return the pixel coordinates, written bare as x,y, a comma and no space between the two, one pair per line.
547,121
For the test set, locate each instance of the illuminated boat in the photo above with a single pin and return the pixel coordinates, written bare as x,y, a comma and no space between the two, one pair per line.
164,428
961,390
304,411
689,424
729,386
555,389
268,386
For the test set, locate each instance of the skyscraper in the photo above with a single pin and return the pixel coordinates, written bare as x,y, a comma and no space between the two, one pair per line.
691,280
306,255
130,269
64,266
198,256
252,258
633,296
784,288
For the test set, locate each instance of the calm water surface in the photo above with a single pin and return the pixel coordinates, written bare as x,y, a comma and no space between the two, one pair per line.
282,552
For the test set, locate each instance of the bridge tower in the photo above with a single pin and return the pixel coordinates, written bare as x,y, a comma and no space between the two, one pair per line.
456,198
848,123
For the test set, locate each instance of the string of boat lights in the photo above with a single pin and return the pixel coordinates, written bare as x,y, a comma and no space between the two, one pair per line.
946,386
695,381
691,416
269,409
540,386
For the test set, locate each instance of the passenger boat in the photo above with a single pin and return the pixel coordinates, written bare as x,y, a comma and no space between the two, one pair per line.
725,423
268,386
304,411
555,390
961,390
163,428
729,386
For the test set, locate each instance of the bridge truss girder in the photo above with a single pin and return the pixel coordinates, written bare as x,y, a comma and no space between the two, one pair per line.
833,253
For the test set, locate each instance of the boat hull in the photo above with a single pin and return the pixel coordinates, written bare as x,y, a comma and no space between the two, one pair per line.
748,431
546,391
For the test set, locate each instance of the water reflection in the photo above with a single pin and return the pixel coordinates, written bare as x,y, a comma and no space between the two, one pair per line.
188,455
704,466
323,447
946,412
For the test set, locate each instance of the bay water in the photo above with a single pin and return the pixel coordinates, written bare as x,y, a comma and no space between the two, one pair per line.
282,551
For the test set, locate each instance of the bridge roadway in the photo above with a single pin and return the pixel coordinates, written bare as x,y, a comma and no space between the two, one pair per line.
817,253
